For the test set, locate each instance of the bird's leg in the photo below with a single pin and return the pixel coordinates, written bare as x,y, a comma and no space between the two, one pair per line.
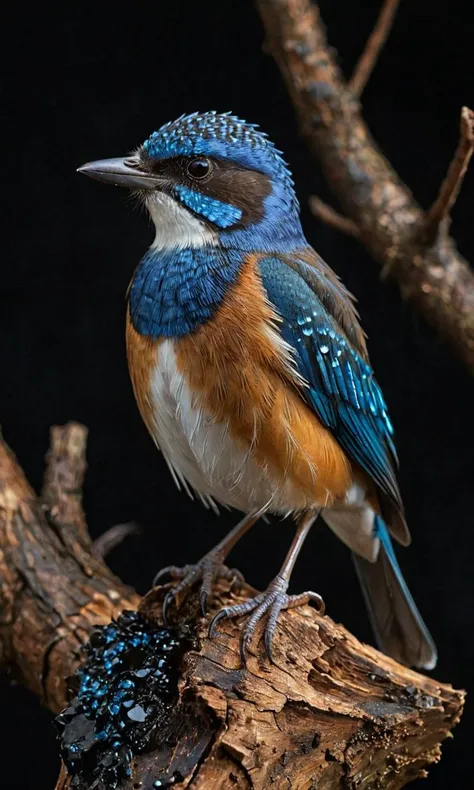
208,569
275,597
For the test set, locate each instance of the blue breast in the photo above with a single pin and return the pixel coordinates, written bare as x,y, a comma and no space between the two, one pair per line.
173,292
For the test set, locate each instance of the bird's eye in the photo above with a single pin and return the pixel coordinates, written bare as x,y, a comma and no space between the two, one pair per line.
199,167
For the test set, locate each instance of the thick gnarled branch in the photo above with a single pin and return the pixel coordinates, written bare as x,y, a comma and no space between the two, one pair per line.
391,225
328,711
328,708
53,591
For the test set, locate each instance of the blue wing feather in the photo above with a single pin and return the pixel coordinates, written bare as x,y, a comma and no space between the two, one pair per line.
342,389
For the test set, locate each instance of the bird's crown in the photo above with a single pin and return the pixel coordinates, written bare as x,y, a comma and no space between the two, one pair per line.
219,135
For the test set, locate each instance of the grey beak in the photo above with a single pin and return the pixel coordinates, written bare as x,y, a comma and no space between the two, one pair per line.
121,173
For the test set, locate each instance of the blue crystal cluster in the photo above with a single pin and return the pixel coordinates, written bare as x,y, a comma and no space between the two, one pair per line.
124,693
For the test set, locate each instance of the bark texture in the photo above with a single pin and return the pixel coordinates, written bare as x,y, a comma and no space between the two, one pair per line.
53,590
330,712
417,252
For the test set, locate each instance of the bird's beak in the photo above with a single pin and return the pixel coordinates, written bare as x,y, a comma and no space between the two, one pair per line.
121,173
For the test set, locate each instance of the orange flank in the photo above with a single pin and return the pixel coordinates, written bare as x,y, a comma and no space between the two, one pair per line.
141,355
241,369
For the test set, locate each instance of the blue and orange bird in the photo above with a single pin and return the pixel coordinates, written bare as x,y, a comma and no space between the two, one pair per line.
251,371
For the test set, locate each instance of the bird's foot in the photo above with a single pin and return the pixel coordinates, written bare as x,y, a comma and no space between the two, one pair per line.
271,602
207,571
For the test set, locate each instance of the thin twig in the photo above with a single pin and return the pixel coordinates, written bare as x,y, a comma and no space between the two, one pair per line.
112,537
331,217
451,185
375,42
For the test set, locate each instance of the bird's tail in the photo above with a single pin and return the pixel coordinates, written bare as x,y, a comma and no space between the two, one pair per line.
397,623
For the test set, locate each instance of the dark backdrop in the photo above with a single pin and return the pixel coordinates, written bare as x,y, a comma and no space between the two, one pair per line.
91,80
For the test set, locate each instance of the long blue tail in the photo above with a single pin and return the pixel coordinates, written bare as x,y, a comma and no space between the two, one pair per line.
397,623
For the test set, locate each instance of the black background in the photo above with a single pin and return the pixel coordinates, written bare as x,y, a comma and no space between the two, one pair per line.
90,80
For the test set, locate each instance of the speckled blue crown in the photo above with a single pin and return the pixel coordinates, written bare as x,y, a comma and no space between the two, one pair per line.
222,136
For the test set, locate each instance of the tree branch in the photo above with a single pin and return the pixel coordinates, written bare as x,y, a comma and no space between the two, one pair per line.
113,537
449,190
64,476
52,590
433,276
375,42
62,490
331,217
329,710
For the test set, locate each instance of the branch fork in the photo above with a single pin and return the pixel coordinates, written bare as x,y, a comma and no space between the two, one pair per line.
379,210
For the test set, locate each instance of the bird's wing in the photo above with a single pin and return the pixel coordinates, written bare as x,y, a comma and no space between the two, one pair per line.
319,322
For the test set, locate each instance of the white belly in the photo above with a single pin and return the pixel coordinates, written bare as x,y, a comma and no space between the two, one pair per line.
201,452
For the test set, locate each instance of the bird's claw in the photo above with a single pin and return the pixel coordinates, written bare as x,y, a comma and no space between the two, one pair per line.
174,571
272,601
207,571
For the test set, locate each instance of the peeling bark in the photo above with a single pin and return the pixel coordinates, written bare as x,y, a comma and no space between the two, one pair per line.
330,712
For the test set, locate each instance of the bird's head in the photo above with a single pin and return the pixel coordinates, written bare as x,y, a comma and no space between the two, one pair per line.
210,179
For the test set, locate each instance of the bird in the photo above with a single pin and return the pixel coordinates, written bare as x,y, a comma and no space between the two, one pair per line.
251,372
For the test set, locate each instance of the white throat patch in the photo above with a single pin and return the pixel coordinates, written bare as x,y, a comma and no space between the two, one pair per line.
175,226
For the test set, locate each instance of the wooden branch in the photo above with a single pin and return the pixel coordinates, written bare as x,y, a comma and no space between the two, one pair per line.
61,496
64,476
449,190
331,217
392,226
375,43
329,710
52,591
113,537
